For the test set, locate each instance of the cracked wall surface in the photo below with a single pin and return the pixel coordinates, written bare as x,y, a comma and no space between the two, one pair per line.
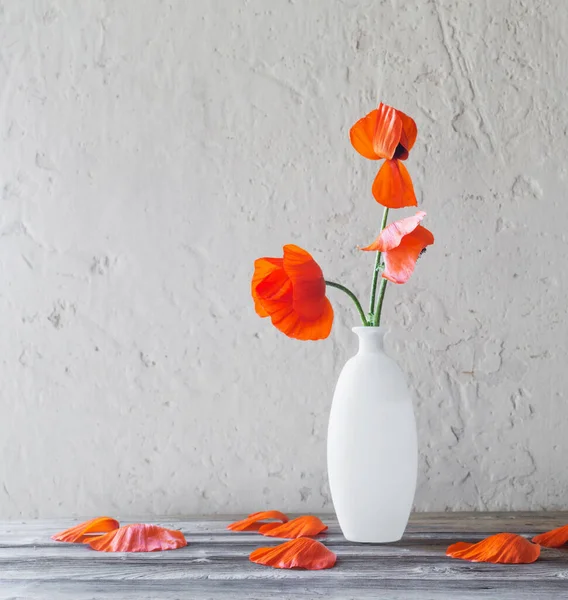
151,150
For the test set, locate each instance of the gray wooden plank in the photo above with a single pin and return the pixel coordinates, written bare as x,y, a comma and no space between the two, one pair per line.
217,568
215,564
263,590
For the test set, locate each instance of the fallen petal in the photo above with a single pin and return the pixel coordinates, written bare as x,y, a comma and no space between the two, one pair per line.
85,532
139,538
296,528
507,548
552,539
302,553
256,520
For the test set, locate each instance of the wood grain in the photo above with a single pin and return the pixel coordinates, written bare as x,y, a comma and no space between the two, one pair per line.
215,564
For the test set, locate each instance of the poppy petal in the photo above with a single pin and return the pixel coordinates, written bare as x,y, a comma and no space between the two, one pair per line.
387,132
307,280
555,538
139,538
301,527
297,327
254,521
507,548
362,134
407,137
393,186
391,236
400,261
302,553
85,532
263,268
377,135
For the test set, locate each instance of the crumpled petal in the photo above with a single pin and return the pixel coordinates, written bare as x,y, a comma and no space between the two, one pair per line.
506,548
400,261
255,521
554,538
87,531
300,527
401,243
302,553
139,538
393,187
391,236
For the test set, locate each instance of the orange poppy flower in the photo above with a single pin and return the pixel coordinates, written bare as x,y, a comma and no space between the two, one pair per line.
139,538
255,521
401,243
301,527
87,531
508,548
302,553
291,291
387,133
556,538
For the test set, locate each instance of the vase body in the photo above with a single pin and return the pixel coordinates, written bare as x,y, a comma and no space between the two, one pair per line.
371,446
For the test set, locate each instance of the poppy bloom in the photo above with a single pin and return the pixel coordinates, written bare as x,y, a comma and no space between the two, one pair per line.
139,538
556,538
506,548
401,243
255,521
387,133
302,553
296,528
87,531
291,291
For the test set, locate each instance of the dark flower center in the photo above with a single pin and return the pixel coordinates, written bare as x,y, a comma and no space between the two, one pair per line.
401,152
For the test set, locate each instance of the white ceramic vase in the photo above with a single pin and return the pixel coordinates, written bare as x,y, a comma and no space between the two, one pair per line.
371,445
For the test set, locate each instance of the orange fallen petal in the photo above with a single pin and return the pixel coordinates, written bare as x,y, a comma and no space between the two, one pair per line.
139,538
296,528
393,186
302,553
552,539
255,521
85,532
507,548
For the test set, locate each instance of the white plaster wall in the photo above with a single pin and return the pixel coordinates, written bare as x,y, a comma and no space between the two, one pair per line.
151,150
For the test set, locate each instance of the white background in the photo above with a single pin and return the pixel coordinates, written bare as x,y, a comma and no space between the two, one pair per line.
151,150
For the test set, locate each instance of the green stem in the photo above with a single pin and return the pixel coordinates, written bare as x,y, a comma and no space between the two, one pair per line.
377,315
353,297
376,271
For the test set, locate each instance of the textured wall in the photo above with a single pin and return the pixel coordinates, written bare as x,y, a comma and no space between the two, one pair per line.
151,150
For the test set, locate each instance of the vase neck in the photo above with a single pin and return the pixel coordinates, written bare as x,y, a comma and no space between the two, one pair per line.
370,339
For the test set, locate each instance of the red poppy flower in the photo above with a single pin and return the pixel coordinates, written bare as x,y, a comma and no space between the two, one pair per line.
302,553
401,243
387,133
291,291
507,548
139,538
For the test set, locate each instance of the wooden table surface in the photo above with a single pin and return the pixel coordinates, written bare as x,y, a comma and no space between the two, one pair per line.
215,564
